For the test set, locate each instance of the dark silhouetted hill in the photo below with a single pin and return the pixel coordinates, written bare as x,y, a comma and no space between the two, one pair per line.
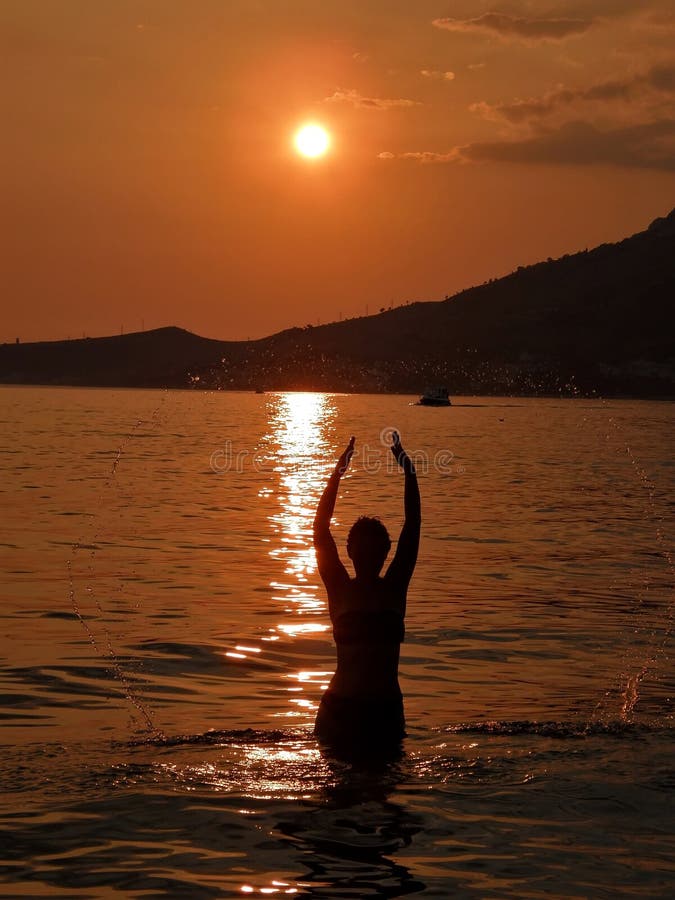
158,358
599,320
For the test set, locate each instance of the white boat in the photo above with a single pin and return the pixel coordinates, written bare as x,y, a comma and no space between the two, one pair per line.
436,396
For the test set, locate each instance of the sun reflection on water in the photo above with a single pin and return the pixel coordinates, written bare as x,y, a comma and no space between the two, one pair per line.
297,432
297,429
300,454
297,450
279,887
289,770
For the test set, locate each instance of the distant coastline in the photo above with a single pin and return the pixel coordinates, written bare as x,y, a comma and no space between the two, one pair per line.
598,322
560,395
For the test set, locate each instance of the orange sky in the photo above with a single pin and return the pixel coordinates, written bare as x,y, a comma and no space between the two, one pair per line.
148,174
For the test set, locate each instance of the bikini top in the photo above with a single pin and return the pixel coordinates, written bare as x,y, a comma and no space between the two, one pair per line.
362,626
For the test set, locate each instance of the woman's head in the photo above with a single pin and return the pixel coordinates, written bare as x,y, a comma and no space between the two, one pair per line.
368,544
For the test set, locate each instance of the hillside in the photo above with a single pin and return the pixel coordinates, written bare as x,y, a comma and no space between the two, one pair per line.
599,320
158,358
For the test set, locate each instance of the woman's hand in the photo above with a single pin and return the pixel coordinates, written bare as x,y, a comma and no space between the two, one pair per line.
343,462
397,449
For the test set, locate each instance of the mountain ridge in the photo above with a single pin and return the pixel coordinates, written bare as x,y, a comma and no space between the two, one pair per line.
598,320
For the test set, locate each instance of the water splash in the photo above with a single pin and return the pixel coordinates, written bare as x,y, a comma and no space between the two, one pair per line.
630,682
561,730
106,649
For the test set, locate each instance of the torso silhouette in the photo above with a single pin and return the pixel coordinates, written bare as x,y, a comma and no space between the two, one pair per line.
367,617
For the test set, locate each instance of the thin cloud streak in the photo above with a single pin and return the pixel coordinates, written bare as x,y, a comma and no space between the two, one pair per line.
520,28
659,79
424,156
579,143
648,146
358,101
436,74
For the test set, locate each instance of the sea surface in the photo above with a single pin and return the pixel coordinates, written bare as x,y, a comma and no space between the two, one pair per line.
165,643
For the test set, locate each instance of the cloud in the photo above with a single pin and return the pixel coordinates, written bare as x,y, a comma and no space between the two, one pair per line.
424,156
358,101
517,27
645,146
658,80
435,73
663,77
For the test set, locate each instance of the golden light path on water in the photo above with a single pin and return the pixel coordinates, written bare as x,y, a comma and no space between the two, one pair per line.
297,450
302,454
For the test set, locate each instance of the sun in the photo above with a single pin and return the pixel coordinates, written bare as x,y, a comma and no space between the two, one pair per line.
311,140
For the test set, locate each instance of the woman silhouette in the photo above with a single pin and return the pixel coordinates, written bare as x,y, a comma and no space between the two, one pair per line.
362,710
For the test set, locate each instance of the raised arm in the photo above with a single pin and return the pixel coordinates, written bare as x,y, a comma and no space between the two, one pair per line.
331,569
402,565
